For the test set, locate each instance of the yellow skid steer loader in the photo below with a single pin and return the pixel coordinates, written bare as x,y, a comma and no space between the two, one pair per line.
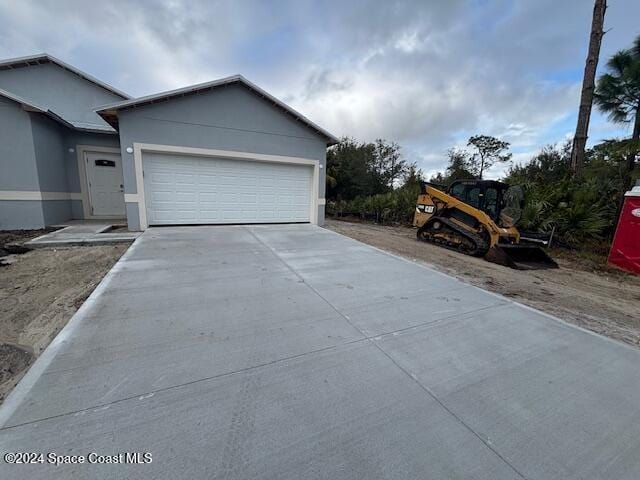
478,217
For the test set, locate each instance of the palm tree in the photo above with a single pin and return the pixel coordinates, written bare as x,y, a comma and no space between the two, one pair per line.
618,95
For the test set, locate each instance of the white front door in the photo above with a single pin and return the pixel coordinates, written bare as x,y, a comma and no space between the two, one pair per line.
106,189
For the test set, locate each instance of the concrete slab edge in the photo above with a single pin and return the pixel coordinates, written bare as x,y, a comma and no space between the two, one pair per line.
105,229
22,389
46,234
508,300
80,243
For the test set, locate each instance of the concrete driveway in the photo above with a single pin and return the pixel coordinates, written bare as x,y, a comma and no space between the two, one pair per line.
291,352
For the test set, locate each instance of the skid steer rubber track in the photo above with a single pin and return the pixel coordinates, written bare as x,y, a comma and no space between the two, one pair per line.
434,230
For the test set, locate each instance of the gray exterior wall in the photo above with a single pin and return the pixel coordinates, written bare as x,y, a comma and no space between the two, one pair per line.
18,167
48,145
133,215
21,215
76,209
227,118
17,156
33,214
321,212
56,211
35,157
68,95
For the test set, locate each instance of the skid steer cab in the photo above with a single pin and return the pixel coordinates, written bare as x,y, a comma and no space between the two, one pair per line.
478,217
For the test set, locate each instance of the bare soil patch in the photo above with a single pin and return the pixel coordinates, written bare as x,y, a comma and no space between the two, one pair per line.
12,236
39,292
582,291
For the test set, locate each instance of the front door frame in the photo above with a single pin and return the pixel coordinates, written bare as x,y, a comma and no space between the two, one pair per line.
82,150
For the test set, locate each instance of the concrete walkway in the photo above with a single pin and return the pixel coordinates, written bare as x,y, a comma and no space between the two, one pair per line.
291,352
83,232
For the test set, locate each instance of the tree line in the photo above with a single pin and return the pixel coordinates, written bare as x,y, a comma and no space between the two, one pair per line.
372,168
364,168
371,180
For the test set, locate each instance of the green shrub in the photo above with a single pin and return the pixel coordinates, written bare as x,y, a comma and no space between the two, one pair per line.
583,212
396,206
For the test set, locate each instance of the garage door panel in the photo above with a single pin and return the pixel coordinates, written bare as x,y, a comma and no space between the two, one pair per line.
206,189
185,197
268,214
187,217
231,216
163,215
208,180
184,179
207,198
162,178
181,189
229,180
162,197
210,217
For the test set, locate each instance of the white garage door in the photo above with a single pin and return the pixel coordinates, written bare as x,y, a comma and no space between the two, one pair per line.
182,189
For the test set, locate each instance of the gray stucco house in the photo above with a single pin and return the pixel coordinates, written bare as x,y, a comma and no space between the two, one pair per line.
73,147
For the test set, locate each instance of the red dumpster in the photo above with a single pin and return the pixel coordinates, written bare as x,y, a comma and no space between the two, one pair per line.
625,249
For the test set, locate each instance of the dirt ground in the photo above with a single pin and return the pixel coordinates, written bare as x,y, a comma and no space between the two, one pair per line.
39,292
596,297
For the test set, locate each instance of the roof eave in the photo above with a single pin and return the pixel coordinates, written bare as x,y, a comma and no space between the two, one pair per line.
109,116
96,130
110,112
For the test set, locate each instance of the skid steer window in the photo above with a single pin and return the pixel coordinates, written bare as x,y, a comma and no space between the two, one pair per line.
458,191
513,204
491,203
473,197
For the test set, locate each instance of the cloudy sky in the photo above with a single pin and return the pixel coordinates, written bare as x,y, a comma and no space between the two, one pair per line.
426,73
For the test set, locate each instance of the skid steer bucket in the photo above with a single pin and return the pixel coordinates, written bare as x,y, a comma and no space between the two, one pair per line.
520,257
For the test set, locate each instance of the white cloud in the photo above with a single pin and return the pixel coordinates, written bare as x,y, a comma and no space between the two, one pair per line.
425,74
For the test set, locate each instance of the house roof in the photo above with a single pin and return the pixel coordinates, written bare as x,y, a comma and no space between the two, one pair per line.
110,112
27,105
42,58
32,107
78,122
